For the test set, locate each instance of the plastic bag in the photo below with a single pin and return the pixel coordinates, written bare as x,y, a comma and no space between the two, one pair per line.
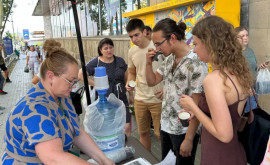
92,97
118,155
94,119
263,82
114,132
26,69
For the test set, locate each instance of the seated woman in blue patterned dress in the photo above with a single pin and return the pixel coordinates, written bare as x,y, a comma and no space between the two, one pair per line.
43,125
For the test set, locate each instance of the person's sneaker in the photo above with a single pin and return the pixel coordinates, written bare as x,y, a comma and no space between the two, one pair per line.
2,92
2,108
8,80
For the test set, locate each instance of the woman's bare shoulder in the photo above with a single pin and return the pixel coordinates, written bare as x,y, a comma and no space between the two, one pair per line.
214,76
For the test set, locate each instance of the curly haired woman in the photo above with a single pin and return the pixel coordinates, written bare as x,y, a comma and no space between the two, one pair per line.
226,92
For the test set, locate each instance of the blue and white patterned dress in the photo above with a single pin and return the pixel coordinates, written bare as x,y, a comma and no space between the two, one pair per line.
38,118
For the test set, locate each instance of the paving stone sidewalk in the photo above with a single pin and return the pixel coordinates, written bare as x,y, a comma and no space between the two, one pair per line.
21,83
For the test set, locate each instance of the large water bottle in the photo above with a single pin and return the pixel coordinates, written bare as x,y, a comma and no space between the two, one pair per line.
110,136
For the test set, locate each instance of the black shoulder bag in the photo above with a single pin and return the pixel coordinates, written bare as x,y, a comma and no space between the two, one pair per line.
255,134
76,99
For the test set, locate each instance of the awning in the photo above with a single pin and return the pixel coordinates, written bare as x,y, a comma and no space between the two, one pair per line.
42,8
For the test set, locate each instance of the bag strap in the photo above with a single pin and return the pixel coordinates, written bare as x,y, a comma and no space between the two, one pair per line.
251,114
255,96
80,91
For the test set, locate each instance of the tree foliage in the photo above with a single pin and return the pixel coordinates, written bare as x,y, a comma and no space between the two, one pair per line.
93,10
8,34
94,14
140,4
123,9
123,5
7,10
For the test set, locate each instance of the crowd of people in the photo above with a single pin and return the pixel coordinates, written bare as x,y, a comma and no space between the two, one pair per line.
178,81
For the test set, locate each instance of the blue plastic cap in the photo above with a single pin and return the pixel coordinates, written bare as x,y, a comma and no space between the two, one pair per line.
100,71
102,91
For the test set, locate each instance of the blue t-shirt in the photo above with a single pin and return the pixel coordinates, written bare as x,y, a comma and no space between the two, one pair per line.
37,118
250,56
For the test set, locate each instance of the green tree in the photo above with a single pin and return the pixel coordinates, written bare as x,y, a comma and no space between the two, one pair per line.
7,11
140,4
123,5
93,10
8,34
123,8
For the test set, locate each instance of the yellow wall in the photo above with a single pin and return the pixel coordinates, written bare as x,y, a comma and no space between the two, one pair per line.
227,9
159,7
148,19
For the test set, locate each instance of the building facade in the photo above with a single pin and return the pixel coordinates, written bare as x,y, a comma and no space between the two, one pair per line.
59,23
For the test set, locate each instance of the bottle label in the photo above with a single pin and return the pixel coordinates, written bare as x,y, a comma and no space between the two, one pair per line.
107,143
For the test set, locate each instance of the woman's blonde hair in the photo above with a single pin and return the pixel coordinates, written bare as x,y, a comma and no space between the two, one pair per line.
50,43
224,49
56,60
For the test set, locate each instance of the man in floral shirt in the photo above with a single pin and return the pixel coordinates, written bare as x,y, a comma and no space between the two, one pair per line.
181,73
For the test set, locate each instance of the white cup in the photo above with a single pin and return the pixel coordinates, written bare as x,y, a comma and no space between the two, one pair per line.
184,116
132,83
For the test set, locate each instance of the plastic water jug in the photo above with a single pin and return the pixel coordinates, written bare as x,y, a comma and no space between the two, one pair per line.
110,135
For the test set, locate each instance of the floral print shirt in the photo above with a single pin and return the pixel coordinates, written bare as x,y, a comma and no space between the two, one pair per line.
187,78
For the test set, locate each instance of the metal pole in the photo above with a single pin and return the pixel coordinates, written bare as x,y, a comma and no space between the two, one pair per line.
99,17
121,29
79,38
13,31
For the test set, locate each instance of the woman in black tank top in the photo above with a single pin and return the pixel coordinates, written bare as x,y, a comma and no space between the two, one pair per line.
226,91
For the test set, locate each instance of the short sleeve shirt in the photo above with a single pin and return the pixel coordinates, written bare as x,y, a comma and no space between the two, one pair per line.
32,56
250,56
116,75
137,59
187,79
37,118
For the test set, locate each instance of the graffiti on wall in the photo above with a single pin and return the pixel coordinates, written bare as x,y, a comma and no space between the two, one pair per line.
189,14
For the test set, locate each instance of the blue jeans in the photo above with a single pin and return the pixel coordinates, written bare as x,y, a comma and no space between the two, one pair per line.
173,142
2,80
252,102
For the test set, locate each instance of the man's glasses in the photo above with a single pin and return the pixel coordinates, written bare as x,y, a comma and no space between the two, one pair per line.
158,44
72,84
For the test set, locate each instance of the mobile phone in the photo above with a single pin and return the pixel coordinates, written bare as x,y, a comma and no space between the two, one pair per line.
155,57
